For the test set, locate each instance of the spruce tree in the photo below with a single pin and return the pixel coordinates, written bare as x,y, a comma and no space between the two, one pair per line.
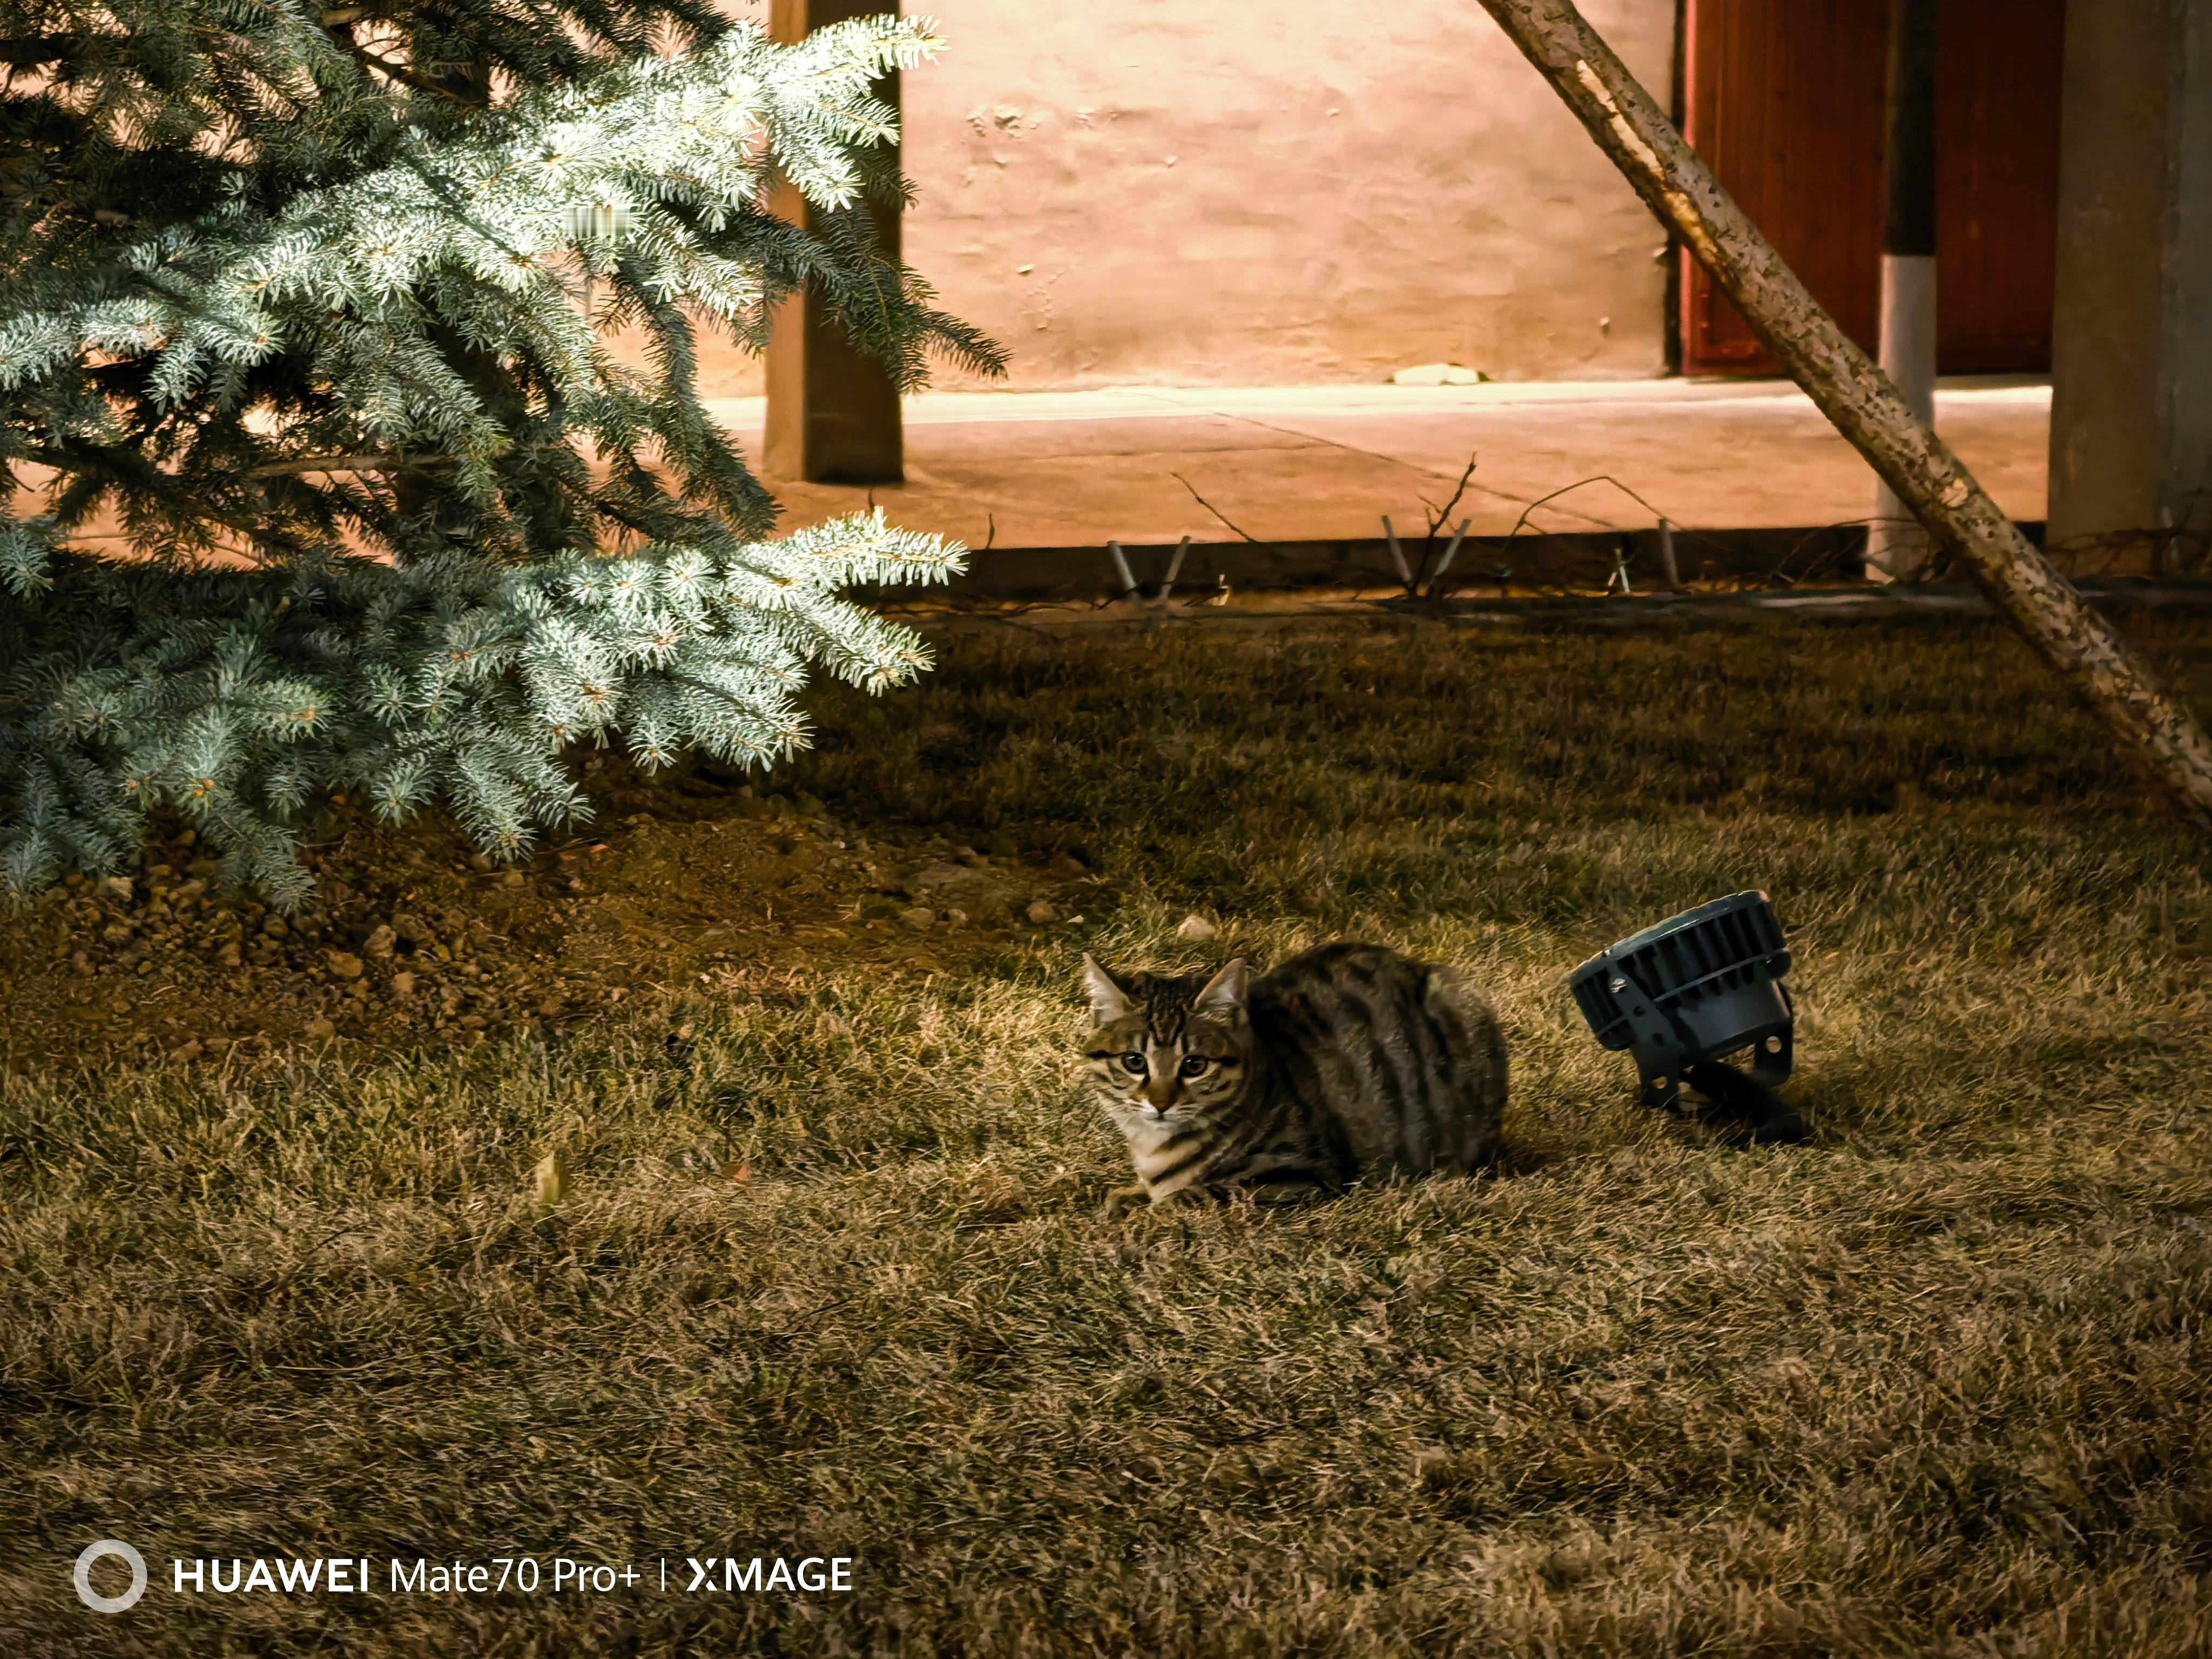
324,477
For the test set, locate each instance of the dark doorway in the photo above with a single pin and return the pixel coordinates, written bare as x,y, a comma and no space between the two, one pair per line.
1784,99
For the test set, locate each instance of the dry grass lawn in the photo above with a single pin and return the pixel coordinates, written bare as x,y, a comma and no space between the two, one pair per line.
830,1277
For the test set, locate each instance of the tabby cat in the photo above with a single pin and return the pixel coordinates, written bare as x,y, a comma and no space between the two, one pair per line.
1350,1057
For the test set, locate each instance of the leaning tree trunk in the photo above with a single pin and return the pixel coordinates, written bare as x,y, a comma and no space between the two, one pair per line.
2152,726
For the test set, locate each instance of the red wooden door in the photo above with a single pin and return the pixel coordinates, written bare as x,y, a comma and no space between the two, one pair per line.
1996,183
1784,99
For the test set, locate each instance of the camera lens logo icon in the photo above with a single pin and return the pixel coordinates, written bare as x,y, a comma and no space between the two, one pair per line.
81,1576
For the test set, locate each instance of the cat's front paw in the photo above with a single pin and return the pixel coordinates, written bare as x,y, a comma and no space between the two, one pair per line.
1123,1199
1182,1198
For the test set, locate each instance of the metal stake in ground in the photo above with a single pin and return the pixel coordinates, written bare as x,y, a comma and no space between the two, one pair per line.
1122,567
2151,726
1666,555
1397,554
1451,551
1175,569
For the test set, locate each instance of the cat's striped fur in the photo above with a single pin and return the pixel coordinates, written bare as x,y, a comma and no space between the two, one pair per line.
1348,1058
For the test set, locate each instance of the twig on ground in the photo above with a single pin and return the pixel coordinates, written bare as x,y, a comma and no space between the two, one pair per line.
1666,527
1780,573
1440,516
1602,478
1219,514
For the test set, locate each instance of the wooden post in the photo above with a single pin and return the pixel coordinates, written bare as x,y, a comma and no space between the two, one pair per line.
1897,547
2150,725
833,413
2131,326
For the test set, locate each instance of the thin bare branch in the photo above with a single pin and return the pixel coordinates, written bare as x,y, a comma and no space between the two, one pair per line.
1219,514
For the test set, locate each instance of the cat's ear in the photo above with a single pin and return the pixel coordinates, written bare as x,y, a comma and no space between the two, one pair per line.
1225,993
1109,1001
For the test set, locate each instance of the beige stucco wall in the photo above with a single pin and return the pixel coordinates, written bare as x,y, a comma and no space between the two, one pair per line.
1272,192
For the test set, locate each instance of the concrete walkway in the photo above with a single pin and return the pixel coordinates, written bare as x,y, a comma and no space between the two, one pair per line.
1044,469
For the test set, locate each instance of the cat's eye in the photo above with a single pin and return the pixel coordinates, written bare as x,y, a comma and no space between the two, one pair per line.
1195,1065
1133,1064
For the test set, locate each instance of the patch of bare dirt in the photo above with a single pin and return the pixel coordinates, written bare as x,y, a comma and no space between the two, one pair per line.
414,940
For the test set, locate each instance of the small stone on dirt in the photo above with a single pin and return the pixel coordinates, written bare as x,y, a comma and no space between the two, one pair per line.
1041,913
1066,864
403,985
321,1029
185,1054
1195,928
344,964
918,918
379,944
480,862
944,875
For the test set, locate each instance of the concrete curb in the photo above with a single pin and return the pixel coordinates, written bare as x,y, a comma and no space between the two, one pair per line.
1853,603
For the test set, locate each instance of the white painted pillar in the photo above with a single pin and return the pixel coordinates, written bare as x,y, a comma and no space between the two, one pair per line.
1898,548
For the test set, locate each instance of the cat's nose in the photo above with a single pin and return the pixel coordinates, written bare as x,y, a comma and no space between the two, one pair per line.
1161,1091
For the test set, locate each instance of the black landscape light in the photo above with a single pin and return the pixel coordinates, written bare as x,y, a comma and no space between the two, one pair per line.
1698,986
